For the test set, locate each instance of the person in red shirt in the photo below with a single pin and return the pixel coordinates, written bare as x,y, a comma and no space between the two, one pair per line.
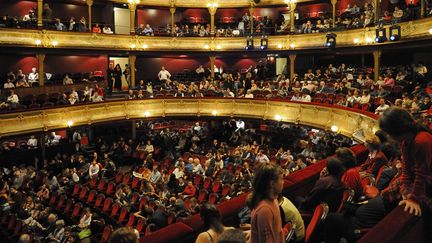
190,190
96,29
416,147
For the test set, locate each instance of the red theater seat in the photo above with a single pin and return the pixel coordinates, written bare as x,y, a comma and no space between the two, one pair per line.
318,217
106,233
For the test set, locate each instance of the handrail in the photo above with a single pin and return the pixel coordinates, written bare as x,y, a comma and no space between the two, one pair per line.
350,122
413,30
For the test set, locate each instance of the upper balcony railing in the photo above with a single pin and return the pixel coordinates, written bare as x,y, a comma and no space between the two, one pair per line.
413,30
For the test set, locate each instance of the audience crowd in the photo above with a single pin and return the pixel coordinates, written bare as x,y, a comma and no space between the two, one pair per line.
169,170
350,18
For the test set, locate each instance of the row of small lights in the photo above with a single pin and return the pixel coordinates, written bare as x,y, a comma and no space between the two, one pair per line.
133,46
39,42
146,114
279,118
280,46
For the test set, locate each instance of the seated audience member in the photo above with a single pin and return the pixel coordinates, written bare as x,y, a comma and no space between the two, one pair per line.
32,142
94,170
189,190
290,213
59,25
327,189
96,29
21,83
382,107
85,219
8,84
107,30
123,235
73,97
12,100
67,80
376,158
212,220
147,30
33,77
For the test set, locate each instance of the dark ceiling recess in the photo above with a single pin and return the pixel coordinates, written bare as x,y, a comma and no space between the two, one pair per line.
257,1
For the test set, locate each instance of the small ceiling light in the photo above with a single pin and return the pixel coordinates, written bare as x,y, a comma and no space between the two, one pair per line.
356,41
278,118
206,46
38,42
369,40
54,43
430,31
218,47
70,123
214,113
334,128
144,46
292,45
280,46
146,114
132,46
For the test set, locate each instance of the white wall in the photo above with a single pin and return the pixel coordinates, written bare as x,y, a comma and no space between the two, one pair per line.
122,21
280,64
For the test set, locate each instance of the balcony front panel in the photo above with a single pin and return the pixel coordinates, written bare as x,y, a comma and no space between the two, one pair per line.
351,123
67,40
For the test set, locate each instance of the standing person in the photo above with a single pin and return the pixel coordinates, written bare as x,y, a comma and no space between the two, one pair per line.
117,74
212,220
164,76
416,147
127,74
110,78
266,223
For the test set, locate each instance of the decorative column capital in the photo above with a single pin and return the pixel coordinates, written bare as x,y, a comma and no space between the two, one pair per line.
172,10
89,3
333,2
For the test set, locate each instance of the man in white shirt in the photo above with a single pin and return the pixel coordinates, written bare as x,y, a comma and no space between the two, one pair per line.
32,142
12,100
8,84
107,30
33,77
306,98
93,170
261,158
164,75
382,107
200,70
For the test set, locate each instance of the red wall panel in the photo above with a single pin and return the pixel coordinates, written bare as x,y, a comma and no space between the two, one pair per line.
156,17
313,10
75,64
148,68
11,63
65,11
19,8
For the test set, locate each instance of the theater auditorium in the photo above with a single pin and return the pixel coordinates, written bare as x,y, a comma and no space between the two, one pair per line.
216,121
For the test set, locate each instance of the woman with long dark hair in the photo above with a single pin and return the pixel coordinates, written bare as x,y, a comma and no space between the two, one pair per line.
212,220
416,147
266,223
117,75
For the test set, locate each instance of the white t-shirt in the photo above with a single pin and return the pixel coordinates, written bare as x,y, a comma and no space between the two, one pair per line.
164,75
